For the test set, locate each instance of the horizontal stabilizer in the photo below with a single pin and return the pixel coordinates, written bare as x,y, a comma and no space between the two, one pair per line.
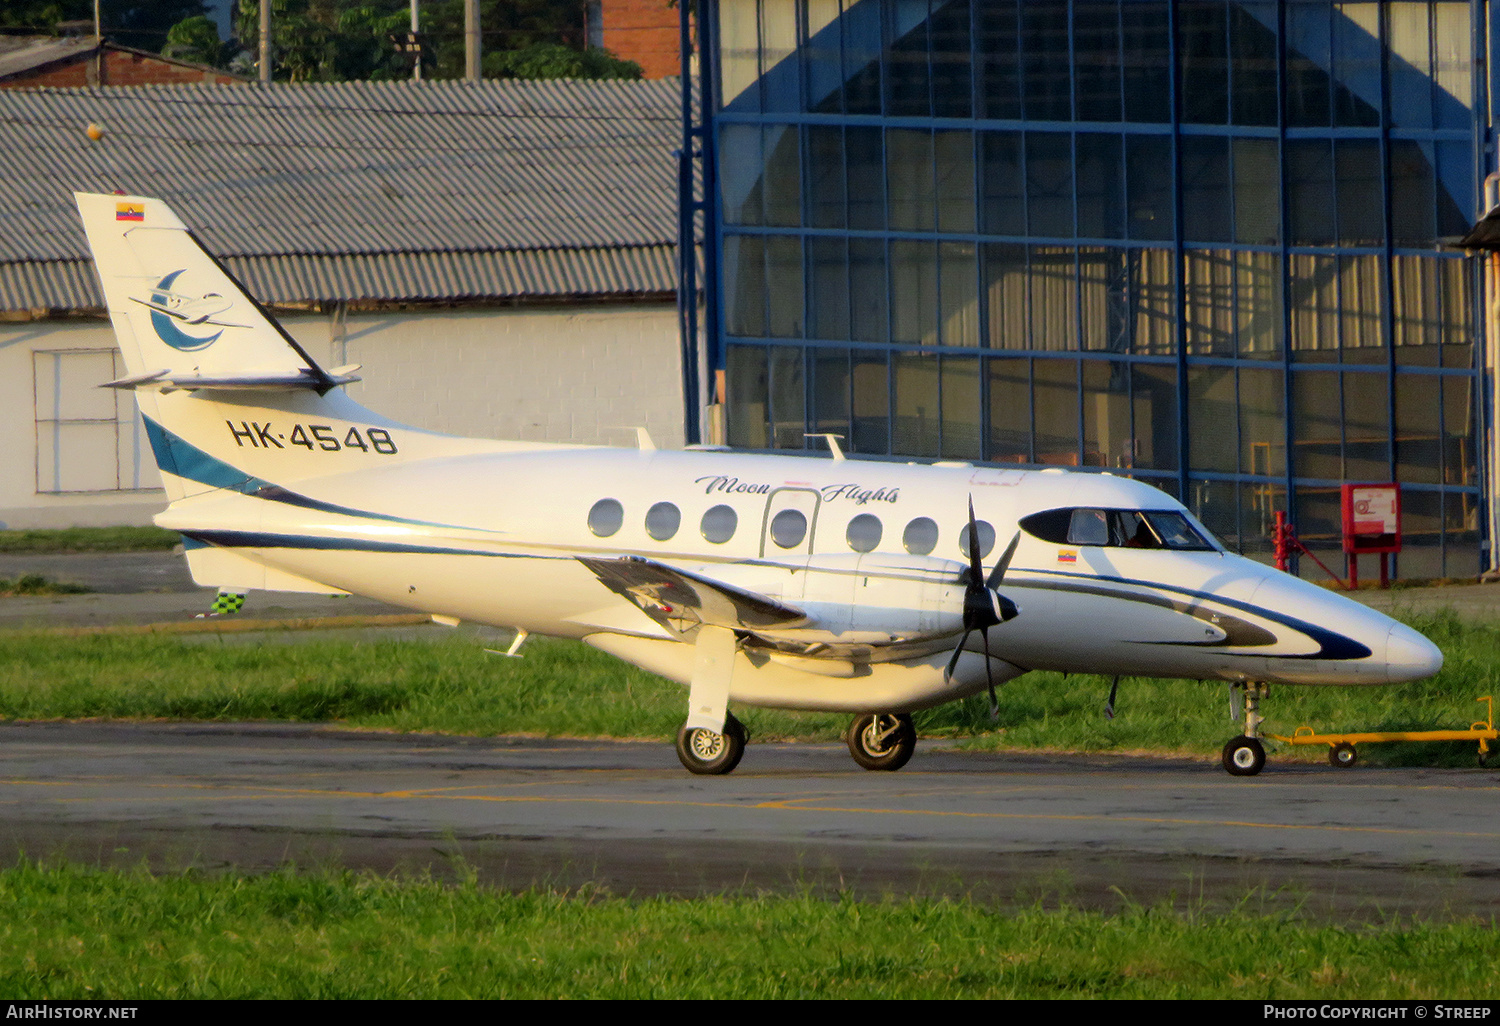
215,567
681,602
275,381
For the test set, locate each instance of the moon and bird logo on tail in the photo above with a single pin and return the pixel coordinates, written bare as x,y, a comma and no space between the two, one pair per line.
170,310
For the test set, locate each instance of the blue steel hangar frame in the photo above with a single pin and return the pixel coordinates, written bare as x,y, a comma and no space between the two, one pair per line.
1202,242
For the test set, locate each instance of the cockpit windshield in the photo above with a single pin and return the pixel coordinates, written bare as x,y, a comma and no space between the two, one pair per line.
1120,528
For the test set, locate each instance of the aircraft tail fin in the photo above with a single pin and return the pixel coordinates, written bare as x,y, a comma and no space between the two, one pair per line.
231,401
182,320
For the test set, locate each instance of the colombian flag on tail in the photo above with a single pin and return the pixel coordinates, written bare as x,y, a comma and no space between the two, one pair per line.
130,211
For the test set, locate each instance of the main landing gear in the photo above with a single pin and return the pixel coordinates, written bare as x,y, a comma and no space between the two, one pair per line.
1245,756
706,753
878,741
882,741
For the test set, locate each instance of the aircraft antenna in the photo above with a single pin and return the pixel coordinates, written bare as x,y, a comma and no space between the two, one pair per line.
833,444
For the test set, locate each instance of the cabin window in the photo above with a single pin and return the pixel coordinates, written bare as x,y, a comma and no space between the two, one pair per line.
920,536
986,534
719,523
606,517
662,521
788,528
864,532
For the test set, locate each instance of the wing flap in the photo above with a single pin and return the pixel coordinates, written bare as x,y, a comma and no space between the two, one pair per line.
681,601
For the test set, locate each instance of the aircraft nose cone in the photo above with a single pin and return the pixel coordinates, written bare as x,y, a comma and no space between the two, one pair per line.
1409,655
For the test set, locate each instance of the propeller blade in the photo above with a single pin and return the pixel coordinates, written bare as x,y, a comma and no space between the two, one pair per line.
998,574
976,569
953,662
990,678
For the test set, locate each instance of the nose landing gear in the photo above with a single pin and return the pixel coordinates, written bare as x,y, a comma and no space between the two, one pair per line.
1245,756
882,741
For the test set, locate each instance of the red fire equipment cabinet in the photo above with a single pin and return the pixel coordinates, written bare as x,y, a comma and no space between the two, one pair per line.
1372,523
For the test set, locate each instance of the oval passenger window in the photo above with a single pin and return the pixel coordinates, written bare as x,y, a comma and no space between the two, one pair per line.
864,532
921,536
986,539
718,524
606,517
788,528
662,520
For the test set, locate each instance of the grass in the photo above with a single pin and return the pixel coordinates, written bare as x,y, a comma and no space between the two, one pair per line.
88,539
73,932
567,689
36,584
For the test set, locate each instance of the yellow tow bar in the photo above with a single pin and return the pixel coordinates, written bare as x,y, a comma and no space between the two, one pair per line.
1341,751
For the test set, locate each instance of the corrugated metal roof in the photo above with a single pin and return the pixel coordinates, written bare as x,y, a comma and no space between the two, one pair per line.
364,190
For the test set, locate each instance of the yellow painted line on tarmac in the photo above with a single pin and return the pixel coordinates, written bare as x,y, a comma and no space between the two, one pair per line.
785,805
1159,820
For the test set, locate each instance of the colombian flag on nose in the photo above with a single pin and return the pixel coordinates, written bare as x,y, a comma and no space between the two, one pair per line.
130,211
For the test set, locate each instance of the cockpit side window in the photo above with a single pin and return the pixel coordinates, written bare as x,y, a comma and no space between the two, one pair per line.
1134,531
1177,532
1119,528
1089,527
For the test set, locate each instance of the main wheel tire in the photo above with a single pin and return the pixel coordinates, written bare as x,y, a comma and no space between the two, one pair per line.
1342,755
882,741
1244,756
706,753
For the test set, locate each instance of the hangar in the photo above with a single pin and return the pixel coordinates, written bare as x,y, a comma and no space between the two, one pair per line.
499,255
1206,243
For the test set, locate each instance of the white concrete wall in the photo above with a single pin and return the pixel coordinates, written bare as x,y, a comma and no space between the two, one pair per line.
586,374
583,373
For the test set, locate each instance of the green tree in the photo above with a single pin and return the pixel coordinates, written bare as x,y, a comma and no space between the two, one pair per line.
40,16
553,60
330,40
142,25
338,40
196,39
505,25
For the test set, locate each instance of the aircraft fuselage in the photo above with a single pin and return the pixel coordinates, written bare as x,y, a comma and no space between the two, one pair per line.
496,537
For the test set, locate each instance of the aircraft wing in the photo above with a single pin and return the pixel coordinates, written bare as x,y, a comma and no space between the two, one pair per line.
681,601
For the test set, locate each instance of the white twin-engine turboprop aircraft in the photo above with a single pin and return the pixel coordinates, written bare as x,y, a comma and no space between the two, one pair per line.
830,584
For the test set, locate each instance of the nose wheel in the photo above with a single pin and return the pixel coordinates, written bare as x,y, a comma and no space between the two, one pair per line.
882,741
1245,756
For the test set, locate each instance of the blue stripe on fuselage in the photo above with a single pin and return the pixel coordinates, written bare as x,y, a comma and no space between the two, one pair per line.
177,456
263,540
1332,645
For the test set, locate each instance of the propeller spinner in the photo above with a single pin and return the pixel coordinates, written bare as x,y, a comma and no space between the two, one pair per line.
984,607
